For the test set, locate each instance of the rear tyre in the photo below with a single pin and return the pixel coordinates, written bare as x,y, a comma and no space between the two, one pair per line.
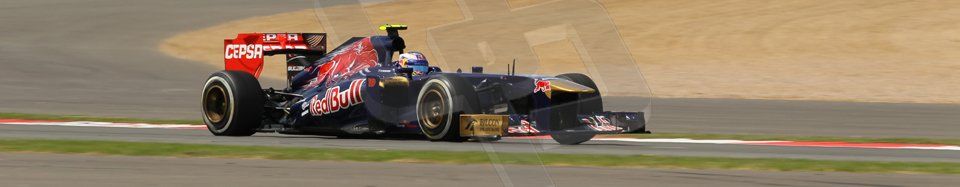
232,103
567,112
439,105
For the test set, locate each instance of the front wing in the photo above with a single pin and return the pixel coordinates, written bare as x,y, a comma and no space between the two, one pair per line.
521,125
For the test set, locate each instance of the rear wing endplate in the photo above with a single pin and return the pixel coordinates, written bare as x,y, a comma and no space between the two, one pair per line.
246,52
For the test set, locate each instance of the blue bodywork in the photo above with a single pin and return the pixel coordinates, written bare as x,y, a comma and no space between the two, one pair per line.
360,103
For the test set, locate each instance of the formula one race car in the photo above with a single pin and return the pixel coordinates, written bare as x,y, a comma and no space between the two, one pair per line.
357,89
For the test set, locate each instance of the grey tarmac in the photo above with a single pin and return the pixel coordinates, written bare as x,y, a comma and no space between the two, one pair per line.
801,118
507,145
99,58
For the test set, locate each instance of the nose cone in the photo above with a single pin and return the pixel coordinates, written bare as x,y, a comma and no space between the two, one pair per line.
563,85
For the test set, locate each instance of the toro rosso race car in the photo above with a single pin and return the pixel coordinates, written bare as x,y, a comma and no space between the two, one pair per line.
357,89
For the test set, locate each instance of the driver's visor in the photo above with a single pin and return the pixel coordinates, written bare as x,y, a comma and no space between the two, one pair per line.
419,70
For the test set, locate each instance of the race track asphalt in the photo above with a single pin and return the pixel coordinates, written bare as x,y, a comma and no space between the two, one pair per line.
801,118
99,58
506,145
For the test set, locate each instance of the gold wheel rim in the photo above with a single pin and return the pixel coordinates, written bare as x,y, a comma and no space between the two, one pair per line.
215,104
433,110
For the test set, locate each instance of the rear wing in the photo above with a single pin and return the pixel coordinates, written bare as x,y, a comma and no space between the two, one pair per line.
245,53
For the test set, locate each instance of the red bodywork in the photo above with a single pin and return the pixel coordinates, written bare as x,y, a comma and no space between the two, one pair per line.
245,53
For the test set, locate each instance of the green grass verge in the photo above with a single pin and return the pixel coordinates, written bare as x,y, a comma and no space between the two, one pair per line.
792,138
448,157
90,118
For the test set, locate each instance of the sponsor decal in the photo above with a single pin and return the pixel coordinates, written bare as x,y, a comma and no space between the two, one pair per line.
273,37
599,123
304,105
482,124
526,127
295,68
602,120
542,86
246,51
243,51
252,51
334,99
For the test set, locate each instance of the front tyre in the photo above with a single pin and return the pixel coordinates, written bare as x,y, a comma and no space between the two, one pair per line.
585,103
568,138
232,103
439,105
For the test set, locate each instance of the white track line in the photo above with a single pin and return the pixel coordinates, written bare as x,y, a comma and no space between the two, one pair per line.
109,124
683,140
793,143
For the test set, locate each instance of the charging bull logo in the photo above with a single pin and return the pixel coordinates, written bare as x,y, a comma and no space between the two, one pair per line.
542,86
334,99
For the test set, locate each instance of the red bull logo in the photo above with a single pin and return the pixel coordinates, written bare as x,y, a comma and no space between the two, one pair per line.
334,99
542,86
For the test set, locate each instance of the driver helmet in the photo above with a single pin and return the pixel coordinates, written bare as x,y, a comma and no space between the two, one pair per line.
416,61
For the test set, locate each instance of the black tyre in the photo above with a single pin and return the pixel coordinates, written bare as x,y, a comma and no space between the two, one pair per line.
573,105
439,105
232,103
589,102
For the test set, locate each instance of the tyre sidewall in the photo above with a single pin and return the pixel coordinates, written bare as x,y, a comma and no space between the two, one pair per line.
567,138
219,80
445,89
462,100
587,103
246,103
